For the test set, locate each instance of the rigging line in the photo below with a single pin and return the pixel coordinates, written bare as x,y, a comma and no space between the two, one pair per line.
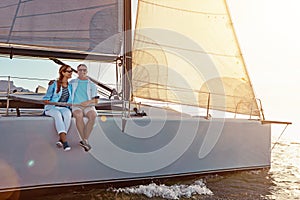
130,82
103,93
13,22
29,38
279,137
25,1
185,49
8,5
57,30
180,89
180,9
176,102
65,11
98,74
35,79
249,100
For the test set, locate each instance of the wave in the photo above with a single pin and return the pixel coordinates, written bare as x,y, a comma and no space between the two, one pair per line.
168,192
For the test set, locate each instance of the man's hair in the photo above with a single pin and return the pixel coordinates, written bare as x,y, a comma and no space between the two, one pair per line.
81,65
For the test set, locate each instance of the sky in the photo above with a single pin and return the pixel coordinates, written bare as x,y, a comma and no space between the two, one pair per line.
268,33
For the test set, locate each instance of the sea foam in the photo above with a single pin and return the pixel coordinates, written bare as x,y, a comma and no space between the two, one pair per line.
168,192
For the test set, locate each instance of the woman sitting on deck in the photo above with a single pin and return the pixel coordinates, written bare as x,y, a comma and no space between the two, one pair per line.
58,94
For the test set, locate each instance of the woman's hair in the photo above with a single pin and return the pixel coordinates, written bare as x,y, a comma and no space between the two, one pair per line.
62,69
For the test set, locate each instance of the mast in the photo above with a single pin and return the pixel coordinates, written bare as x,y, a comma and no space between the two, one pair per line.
127,74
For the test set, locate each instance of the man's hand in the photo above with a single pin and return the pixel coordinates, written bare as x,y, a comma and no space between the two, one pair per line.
85,103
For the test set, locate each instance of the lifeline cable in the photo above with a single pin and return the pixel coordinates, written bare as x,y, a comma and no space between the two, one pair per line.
279,137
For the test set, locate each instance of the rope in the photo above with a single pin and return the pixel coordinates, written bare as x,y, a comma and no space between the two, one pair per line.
26,78
279,137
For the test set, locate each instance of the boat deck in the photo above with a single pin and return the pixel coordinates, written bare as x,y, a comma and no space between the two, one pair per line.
32,105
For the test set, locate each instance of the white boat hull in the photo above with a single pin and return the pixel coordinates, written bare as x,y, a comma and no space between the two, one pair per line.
162,146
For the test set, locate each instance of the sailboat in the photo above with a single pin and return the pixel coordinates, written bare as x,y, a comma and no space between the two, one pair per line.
184,56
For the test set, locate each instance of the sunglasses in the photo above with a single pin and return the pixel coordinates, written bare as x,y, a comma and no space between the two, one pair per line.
69,71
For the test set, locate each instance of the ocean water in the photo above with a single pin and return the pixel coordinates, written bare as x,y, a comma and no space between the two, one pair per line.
281,181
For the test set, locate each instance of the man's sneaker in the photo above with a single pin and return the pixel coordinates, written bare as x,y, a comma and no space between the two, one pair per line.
66,146
59,144
85,145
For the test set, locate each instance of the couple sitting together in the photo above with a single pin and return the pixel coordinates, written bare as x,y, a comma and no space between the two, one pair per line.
79,95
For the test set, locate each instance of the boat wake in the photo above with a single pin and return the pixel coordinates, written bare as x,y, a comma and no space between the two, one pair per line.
167,192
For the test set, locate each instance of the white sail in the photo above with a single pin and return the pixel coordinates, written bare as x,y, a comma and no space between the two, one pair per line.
67,26
186,52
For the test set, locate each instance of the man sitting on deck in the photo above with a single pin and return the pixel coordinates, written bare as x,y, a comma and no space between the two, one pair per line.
84,96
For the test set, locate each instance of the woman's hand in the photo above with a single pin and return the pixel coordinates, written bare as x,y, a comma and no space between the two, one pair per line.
46,101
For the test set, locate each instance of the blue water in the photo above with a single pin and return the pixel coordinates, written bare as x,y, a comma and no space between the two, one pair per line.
281,181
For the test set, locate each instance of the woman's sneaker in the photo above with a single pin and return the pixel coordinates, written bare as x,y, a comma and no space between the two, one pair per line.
66,146
59,144
85,145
